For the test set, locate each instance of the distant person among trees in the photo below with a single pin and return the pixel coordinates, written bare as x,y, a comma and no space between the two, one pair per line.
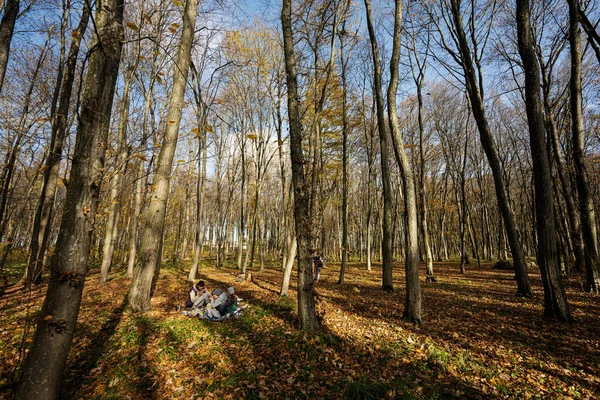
317,265
198,296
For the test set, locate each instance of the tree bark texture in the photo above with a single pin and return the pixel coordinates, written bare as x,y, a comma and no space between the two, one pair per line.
7,27
586,201
287,272
48,354
555,300
306,292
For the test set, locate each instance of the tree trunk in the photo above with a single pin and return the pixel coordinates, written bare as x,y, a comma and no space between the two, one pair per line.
386,241
144,277
586,201
139,186
590,30
254,221
200,191
7,26
476,98
120,168
573,214
48,354
21,130
59,118
412,304
430,277
343,62
306,292
243,194
464,257
555,300
287,273
44,210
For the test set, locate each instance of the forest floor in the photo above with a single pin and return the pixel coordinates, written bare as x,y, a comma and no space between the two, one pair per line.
478,340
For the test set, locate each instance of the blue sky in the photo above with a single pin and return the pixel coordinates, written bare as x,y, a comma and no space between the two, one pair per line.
259,8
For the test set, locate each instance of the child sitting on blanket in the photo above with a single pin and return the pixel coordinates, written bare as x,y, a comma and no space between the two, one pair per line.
232,301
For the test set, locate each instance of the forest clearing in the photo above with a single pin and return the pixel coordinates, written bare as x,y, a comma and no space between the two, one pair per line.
480,341
146,145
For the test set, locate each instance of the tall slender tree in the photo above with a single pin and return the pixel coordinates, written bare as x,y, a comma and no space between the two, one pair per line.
345,128
590,30
586,202
306,291
470,61
386,244
144,277
555,299
418,68
412,304
121,160
47,357
59,119
21,131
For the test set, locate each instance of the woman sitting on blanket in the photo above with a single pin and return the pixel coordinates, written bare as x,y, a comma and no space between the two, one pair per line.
198,296
224,304
218,305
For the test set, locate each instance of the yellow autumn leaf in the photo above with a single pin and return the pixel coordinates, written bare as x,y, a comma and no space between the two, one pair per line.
175,26
148,19
172,30
252,136
195,130
159,79
177,3
132,26
171,122
208,128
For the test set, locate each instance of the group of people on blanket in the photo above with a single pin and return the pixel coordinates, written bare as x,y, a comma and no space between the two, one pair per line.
216,305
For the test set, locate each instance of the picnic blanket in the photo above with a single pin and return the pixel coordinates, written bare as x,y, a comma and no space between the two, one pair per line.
206,313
